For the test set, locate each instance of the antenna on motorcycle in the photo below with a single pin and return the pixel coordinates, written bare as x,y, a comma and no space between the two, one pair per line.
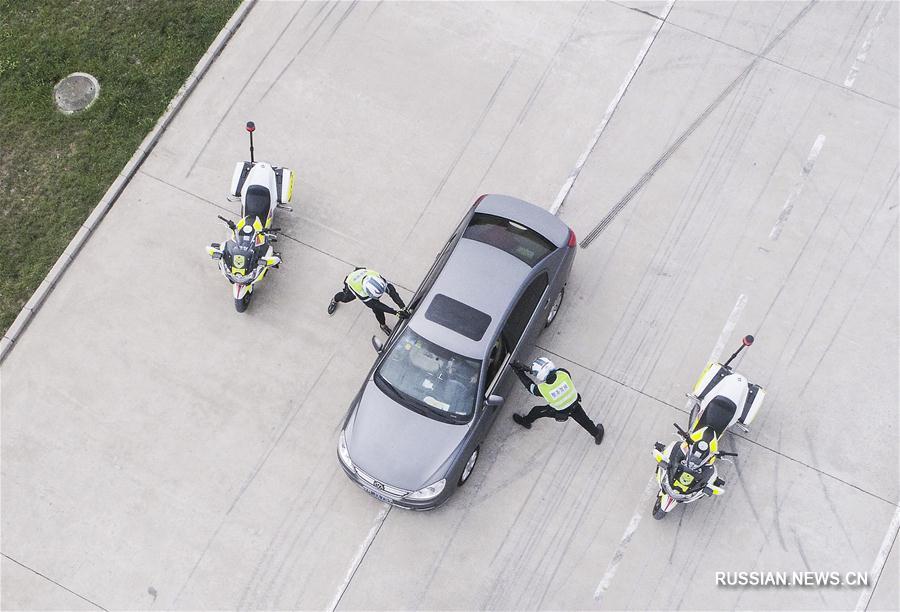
250,128
747,341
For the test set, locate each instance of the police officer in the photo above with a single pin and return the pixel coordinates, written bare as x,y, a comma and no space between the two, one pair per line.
563,401
369,286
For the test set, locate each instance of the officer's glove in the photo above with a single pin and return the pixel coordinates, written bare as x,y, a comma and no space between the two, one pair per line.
402,314
518,366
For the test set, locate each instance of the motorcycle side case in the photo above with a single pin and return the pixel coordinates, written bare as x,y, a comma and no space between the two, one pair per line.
755,397
284,181
241,170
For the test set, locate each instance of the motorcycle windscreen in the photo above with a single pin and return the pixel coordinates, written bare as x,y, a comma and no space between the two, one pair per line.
239,258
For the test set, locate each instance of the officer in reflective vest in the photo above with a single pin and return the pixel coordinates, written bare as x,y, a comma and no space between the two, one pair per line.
368,286
563,401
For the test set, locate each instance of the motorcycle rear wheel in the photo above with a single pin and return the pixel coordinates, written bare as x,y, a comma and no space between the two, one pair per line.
658,512
241,304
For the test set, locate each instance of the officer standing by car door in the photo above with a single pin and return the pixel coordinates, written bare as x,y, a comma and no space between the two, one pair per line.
563,401
368,286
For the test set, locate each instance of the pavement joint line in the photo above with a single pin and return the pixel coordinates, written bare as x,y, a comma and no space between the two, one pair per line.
34,571
701,118
610,111
378,523
241,90
26,314
280,234
737,434
845,87
890,538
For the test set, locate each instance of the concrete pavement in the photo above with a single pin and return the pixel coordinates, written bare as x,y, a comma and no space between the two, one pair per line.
161,451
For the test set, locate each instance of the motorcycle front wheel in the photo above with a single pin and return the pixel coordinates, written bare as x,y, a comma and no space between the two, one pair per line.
241,304
658,512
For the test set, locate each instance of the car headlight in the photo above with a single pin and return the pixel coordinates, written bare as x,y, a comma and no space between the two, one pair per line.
429,492
343,453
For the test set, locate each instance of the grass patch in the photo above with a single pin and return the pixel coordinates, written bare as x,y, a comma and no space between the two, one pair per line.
55,168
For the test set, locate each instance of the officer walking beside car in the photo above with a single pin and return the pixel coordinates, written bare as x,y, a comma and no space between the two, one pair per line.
556,387
368,286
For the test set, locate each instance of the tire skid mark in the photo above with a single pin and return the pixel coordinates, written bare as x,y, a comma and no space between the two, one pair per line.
849,310
660,162
475,129
787,356
302,47
551,64
683,218
610,110
243,87
529,101
340,21
260,464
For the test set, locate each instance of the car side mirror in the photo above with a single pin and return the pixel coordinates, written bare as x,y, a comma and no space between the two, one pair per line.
493,401
377,344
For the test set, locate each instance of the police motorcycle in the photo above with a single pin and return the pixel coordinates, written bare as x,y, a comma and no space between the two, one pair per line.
248,254
686,470
245,257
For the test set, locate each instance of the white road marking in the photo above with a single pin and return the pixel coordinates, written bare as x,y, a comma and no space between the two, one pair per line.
652,485
864,50
798,188
626,539
567,186
878,566
730,324
376,526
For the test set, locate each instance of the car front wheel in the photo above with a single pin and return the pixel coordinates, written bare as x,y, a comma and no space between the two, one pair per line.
470,465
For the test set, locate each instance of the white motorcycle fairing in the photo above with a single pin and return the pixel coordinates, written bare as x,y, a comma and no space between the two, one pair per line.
719,380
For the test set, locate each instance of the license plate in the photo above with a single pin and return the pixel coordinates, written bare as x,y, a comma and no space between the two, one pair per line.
380,497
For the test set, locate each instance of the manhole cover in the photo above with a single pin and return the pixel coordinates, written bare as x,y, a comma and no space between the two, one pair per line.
76,92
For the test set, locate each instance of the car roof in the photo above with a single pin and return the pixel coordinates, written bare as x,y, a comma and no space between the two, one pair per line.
480,276
531,216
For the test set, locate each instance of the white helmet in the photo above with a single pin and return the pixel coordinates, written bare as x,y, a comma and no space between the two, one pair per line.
541,368
374,286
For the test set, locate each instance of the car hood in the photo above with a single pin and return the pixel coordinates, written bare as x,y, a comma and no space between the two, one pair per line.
396,445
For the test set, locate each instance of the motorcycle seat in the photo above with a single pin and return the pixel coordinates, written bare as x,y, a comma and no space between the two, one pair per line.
718,414
257,202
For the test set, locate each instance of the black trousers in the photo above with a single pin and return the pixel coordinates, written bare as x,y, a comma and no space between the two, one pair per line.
347,295
574,411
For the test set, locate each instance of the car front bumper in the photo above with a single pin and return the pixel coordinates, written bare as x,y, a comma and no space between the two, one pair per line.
395,500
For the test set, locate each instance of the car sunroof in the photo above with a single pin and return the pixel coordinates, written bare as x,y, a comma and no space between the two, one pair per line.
455,315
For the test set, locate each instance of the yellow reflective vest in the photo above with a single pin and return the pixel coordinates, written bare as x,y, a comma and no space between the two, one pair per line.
561,394
356,279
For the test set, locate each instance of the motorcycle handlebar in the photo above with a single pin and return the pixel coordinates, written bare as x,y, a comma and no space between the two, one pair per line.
228,222
682,432
724,454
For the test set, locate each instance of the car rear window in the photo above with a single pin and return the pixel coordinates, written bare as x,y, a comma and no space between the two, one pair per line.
519,241
453,314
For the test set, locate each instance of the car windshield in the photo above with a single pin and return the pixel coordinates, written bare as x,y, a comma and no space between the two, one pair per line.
434,379
516,239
